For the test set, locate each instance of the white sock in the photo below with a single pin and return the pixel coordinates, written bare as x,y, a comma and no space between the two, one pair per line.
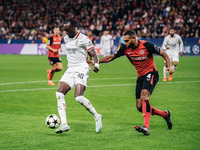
165,72
174,67
61,107
87,104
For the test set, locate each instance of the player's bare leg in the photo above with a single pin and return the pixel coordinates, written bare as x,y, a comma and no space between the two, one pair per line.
175,64
165,73
63,88
50,72
79,91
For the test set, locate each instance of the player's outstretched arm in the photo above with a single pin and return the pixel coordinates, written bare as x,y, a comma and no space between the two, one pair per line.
107,59
168,63
96,60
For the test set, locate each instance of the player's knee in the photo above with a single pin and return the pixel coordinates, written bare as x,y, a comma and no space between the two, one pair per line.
145,95
79,99
53,68
60,95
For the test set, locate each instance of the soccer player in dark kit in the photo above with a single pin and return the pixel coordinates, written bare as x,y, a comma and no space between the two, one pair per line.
140,53
53,46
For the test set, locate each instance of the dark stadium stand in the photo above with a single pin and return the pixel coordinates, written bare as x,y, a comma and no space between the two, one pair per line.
27,19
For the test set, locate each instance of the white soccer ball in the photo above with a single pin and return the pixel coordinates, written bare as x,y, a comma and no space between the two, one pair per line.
52,121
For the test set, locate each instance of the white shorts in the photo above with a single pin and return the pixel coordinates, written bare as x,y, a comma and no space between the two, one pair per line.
76,75
173,55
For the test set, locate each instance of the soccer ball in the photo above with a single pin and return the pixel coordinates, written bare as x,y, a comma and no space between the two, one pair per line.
52,121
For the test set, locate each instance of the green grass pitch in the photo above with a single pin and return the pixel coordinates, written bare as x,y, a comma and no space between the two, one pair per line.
26,100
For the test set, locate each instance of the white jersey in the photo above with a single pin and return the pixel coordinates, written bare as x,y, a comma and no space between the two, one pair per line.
174,43
77,49
106,41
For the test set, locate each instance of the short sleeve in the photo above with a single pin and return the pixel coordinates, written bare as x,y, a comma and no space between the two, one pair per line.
120,52
151,48
50,40
88,44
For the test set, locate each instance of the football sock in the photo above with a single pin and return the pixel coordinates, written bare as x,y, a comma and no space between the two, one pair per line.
174,67
51,74
87,104
158,112
61,107
146,110
164,72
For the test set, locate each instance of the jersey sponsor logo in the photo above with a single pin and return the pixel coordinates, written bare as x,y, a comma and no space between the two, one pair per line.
56,42
139,58
71,50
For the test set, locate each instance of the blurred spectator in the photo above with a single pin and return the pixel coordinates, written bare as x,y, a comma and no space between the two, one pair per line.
33,20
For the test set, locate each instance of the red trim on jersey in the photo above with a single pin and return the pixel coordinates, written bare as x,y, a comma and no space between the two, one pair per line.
90,48
77,35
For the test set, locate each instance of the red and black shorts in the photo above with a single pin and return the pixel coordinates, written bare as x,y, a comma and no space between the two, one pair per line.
147,81
54,60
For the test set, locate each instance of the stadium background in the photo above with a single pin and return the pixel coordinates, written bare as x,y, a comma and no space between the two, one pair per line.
26,21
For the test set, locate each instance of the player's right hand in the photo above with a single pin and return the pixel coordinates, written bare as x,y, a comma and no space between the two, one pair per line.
55,50
95,69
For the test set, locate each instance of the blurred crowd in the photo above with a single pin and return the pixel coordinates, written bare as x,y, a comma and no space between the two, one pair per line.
35,19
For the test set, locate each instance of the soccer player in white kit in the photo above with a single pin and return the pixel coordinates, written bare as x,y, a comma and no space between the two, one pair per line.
106,43
173,45
77,74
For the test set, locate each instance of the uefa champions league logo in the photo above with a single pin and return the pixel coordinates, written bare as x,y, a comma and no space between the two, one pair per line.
195,49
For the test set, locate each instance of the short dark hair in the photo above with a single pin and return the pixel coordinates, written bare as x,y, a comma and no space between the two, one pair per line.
72,22
130,33
56,27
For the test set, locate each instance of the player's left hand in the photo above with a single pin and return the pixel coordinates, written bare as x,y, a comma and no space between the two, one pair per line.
60,50
171,70
181,53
